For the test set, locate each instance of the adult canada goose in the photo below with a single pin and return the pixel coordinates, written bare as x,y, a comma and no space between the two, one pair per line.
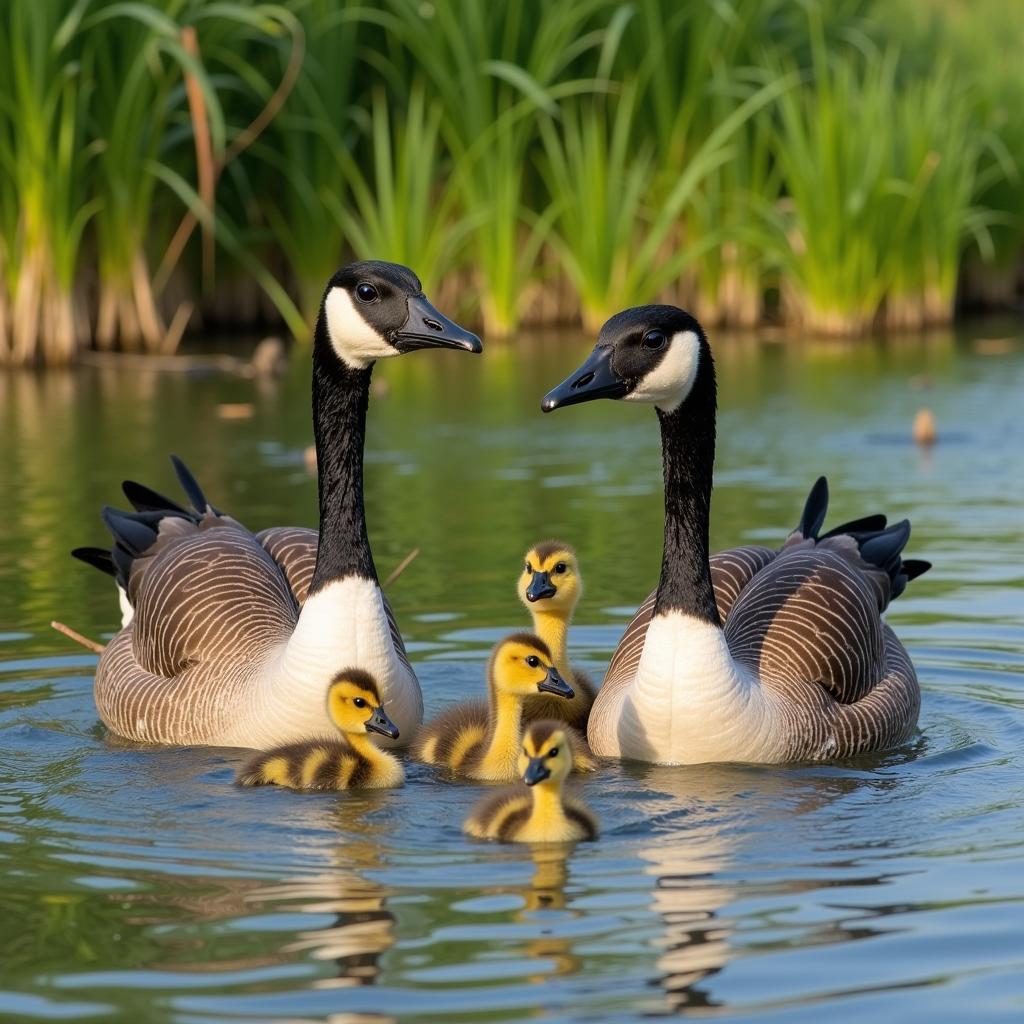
231,638
788,658
351,761
550,586
542,813
482,742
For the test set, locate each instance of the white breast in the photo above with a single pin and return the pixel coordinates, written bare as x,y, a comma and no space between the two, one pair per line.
344,625
690,702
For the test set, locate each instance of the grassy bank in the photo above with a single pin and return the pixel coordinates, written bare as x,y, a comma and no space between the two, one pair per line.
179,164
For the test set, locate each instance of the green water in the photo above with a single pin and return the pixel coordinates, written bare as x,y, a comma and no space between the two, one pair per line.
141,886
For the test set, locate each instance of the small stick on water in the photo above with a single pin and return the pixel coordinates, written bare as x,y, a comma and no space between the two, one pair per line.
78,638
402,566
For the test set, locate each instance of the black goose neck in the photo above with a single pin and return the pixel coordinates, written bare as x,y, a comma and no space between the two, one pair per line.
341,394
688,458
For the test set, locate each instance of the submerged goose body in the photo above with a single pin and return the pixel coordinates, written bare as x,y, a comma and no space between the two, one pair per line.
231,637
754,655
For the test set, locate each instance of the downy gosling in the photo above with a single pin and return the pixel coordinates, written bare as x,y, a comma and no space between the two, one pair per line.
483,741
544,813
550,586
353,761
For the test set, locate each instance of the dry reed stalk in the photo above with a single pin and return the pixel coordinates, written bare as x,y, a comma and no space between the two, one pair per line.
243,140
402,566
205,167
73,634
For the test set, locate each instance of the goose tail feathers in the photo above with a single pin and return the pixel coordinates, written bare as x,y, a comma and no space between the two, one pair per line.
815,509
879,545
134,533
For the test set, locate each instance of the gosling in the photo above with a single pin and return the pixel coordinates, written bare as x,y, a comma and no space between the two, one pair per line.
544,813
482,742
352,761
550,586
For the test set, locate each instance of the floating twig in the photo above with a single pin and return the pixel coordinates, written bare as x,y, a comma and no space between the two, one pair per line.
73,634
402,566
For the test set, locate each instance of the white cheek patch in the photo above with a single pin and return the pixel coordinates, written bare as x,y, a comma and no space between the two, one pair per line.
355,341
671,380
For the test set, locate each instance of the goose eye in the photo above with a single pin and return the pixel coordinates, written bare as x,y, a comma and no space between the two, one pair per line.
533,661
654,341
366,292
359,702
529,569
553,752
560,567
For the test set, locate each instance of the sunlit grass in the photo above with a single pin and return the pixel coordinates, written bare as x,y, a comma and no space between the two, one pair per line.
160,156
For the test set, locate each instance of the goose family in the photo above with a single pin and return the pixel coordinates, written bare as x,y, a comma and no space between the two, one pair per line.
540,811
350,761
482,741
756,655
550,586
230,638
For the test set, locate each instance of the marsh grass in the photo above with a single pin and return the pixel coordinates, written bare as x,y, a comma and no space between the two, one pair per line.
168,160
44,207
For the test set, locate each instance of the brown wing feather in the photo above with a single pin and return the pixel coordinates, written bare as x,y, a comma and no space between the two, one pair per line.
811,616
209,606
294,550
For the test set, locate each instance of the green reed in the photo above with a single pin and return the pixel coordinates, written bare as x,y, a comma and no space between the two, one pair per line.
166,162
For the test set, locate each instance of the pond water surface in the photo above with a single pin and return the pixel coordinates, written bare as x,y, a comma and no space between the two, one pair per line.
140,885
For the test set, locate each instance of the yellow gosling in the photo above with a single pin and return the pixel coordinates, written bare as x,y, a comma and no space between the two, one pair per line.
550,586
352,761
483,742
542,813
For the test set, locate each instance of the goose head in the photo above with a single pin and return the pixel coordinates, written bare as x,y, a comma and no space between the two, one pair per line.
521,665
374,310
547,754
550,580
355,707
653,354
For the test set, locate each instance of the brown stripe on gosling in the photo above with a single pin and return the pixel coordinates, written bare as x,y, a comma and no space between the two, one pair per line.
546,548
360,677
540,732
514,822
581,819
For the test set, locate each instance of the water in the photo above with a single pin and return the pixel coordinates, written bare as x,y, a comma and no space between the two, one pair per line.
140,885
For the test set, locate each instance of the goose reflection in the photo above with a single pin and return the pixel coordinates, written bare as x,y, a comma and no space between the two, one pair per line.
363,928
693,865
689,891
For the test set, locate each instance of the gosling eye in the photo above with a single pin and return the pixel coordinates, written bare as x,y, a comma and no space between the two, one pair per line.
654,341
553,752
359,702
532,660
529,569
366,292
561,567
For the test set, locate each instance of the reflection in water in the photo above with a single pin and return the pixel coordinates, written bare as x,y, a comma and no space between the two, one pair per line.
546,892
141,880
692,861
689,893
363,929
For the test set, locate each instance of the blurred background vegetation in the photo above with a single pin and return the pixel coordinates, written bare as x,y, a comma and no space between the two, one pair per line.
837,166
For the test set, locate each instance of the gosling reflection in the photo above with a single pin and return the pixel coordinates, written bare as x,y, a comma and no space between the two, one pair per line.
363,927
546,892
